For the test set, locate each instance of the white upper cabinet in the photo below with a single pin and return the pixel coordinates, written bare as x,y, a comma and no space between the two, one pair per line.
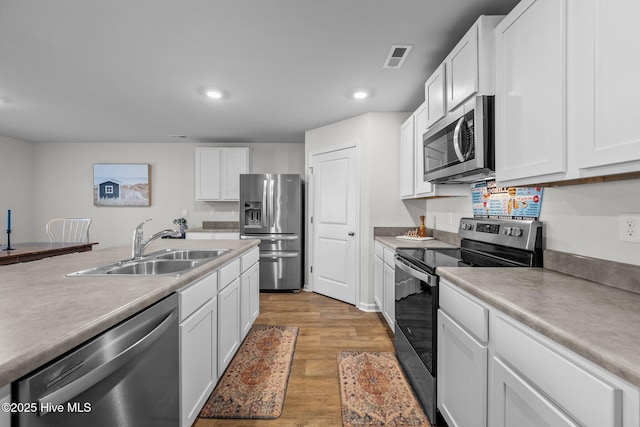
420,119
407,176
530,89
412,183
434,95
567,97
469,66
218,172
607,106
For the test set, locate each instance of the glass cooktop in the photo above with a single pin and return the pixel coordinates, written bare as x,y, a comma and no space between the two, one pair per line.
430,258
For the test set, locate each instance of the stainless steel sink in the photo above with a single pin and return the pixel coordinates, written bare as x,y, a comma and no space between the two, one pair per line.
167,262
191,254
154,267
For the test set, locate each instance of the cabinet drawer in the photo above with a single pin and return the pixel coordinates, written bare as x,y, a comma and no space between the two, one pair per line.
378,250
228,273
388,256
587,398
250,258
468,313
195,296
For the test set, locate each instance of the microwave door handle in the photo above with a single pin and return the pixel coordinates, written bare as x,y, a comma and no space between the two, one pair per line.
457,142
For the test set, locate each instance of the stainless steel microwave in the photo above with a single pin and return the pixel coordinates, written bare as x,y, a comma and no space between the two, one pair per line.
461,147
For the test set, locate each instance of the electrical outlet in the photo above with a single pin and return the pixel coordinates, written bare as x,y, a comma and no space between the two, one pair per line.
629,227
185,212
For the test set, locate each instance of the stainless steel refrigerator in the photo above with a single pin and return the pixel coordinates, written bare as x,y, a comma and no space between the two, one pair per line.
271,209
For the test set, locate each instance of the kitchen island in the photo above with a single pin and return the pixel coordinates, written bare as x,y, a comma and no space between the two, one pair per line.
44,313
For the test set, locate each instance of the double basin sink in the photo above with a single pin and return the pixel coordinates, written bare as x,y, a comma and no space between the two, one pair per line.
165,262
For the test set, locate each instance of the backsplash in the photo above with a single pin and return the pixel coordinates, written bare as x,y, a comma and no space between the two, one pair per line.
221,225
611,273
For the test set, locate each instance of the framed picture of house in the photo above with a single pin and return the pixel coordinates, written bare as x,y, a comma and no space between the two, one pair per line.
122,184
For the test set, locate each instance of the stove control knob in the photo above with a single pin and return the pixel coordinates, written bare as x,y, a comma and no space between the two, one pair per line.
465,226
507,231
517,232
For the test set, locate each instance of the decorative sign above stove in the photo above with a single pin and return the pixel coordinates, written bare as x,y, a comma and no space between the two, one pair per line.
490,201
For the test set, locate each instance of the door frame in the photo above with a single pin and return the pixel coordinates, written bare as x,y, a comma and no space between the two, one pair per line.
355,144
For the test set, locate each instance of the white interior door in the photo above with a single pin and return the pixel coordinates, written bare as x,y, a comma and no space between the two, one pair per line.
335,224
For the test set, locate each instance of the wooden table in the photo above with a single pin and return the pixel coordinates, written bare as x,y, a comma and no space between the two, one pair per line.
38,250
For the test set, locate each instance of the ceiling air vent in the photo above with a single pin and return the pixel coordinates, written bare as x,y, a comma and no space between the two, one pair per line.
396,56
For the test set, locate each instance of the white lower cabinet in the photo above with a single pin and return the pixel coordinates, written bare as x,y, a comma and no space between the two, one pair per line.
249,291
517,403
462,360
378,277
384,278
462,375
228,324
198,345
210,328
584,392
5,397
496,371
198,364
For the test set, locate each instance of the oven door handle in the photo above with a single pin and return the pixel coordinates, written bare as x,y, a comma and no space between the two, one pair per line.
427,278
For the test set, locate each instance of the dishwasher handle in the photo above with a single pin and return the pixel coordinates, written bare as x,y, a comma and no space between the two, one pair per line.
69,391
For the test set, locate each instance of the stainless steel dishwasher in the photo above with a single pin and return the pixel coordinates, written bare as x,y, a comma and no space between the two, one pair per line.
127,376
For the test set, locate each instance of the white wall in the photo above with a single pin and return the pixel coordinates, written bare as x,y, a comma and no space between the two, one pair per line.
56,180
17,186
378,138
580,219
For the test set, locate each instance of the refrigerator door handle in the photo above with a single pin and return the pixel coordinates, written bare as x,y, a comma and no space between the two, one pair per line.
268,238
276,255
264,202
272,220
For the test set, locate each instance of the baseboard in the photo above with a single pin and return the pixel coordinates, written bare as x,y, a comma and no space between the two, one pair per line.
368,307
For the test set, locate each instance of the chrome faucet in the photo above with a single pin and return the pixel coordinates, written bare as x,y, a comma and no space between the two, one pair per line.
139,244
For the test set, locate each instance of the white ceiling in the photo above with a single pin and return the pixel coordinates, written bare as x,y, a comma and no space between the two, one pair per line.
134,70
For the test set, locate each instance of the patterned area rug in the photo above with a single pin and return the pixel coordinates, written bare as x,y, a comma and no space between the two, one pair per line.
374,391
254,384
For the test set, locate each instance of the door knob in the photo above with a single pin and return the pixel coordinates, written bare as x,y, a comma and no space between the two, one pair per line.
351,233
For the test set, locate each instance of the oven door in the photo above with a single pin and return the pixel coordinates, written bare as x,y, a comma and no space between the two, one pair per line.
416,306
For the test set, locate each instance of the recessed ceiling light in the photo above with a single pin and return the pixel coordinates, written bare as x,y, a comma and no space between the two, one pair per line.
360,94
214,93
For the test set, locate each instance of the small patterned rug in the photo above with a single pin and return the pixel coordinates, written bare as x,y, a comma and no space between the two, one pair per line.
255,383
375,392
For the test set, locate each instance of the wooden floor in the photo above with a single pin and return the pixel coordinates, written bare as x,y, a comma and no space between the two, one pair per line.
326,327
